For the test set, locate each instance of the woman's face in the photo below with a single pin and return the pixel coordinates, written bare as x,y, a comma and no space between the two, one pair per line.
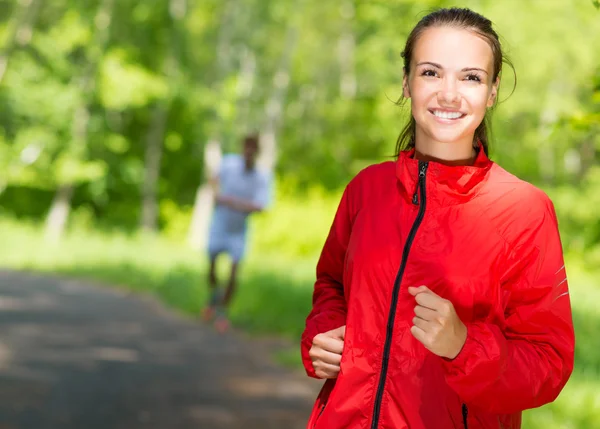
450,84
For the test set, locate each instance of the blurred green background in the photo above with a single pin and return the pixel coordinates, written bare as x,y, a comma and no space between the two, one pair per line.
113,113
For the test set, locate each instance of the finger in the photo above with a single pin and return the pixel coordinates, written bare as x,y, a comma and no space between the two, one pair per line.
325,371
326,367
318,349
322,375
331,345
339,333
416,290
422,324
419,334
429,300
426,313
328,357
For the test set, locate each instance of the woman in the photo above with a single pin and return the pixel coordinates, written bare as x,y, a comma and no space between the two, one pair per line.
441,298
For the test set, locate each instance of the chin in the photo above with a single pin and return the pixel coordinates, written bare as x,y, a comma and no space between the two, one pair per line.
448,137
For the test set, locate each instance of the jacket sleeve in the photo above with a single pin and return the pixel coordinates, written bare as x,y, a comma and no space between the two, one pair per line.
526,363
328,303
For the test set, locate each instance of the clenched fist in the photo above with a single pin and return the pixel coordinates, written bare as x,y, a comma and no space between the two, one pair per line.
436,324
326,352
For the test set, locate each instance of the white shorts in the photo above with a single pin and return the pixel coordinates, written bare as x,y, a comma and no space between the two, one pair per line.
222,242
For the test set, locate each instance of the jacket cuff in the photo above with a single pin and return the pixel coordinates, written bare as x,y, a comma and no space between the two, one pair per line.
483,349
317,326
305,345
456,365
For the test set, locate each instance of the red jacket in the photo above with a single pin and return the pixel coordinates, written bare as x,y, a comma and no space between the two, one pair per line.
475,235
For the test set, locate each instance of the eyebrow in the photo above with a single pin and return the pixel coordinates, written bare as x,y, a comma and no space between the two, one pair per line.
440,67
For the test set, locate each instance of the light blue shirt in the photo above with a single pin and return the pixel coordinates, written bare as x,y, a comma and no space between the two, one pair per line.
235,181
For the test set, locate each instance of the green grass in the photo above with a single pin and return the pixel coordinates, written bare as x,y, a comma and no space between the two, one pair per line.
274,298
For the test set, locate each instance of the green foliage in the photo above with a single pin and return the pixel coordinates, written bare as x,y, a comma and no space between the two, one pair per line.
77,99
296,225
124,84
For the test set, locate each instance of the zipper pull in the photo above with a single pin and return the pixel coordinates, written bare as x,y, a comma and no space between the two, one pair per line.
422,169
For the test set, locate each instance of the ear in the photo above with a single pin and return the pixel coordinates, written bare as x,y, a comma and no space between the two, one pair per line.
493,93
405,88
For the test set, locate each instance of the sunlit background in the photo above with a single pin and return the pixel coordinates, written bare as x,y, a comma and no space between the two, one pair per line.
114,113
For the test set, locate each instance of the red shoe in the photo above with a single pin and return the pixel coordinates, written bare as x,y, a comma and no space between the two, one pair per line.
208,314
222,324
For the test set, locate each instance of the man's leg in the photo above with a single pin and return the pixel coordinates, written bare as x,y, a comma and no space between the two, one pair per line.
212,279
221,320
236,251
231,286
209,310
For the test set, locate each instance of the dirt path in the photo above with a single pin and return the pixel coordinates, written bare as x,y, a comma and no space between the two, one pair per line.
74,356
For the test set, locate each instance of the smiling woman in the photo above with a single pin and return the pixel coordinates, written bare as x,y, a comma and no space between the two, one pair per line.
441,298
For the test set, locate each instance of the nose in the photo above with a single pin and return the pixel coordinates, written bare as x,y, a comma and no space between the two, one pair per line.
448,92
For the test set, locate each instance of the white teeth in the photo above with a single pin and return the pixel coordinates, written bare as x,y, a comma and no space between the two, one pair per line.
447,115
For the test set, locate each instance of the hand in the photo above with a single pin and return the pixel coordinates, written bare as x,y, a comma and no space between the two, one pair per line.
326,352
223,200
220,199
436,324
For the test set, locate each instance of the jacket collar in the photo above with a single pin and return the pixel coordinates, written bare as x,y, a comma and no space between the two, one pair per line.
445,185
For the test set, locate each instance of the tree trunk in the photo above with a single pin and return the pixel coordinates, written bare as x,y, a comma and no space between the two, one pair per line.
346,47
154,150
275,105
244,88
22,32
156,133
548,117
203,203
58,214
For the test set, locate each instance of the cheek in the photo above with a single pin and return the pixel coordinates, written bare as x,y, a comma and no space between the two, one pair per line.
421,93
477,99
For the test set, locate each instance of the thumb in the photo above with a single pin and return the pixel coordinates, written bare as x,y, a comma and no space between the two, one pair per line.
339,332
414,291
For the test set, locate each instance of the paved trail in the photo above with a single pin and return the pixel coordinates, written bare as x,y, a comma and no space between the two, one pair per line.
74,356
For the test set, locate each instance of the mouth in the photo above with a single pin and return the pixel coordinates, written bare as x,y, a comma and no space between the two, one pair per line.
446,115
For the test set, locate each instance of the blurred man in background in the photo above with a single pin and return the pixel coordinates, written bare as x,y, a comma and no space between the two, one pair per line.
240,189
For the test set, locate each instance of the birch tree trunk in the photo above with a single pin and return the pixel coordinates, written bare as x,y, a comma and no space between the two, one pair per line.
21,33
203,203
58,214
158,123
274,108
245,87
548,117
152,160
346,48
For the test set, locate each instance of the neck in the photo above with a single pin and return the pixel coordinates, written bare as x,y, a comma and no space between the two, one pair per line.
452,153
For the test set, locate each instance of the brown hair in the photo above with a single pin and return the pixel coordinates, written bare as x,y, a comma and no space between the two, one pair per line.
252,140
464,19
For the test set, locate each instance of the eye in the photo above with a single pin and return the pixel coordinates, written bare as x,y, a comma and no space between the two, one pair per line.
473,78
429,73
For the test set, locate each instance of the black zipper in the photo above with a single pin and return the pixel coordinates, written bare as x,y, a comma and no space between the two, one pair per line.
319,416
465,413
396,291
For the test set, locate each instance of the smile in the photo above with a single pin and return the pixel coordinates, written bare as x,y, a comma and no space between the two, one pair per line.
447,115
